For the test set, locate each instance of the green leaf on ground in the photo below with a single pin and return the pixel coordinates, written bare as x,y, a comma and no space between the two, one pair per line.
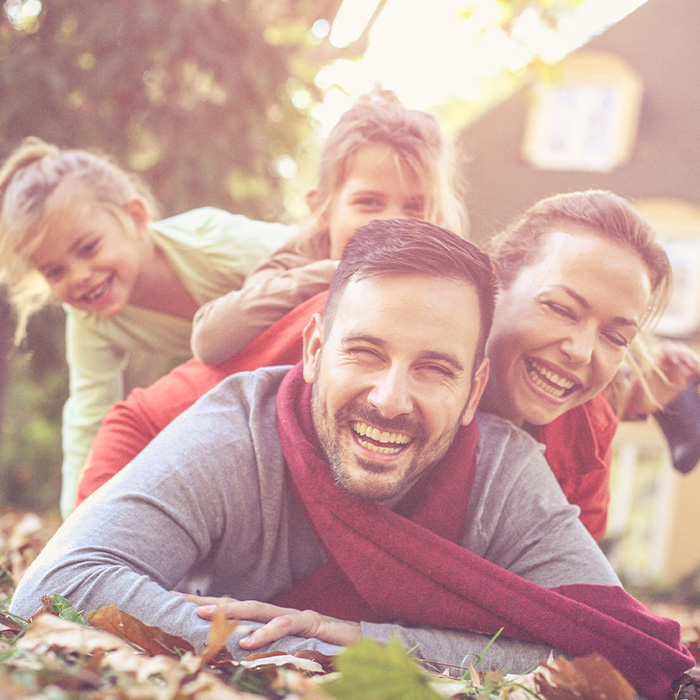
64,609
373,671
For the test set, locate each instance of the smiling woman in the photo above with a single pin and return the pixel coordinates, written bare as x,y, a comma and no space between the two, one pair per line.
564,324
579,275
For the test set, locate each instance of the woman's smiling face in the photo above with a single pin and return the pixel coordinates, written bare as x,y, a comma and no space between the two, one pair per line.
562,328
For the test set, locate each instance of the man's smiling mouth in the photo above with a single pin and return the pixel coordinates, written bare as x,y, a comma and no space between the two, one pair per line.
383,442
549,381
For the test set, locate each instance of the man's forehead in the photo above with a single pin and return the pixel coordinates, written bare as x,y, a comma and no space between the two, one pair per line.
430,308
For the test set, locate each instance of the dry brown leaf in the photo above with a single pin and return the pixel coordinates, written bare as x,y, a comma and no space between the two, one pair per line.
220,630
7,622
52,631
586,678
282,659
206,686
325,661
150,639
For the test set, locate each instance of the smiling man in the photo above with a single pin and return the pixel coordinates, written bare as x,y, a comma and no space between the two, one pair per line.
360,493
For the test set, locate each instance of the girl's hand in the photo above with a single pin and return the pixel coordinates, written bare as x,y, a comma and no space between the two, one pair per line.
280,622
680,366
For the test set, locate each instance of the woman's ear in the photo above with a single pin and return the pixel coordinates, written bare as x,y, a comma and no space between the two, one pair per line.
137,209
312,337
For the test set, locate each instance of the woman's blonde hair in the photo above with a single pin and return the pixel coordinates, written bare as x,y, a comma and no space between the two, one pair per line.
418,144
29,210
598,211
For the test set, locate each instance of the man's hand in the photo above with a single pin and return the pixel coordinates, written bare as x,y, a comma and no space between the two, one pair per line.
280,622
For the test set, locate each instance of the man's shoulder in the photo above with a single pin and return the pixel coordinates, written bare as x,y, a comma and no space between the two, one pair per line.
249,388
493,427
504,446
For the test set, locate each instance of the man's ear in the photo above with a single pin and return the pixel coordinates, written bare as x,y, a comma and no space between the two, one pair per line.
481,377
137,209
312,335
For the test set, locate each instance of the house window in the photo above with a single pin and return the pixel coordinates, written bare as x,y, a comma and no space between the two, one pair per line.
586,119
678,224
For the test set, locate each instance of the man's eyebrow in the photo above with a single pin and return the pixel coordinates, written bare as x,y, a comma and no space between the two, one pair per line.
371,339
622,320
446,357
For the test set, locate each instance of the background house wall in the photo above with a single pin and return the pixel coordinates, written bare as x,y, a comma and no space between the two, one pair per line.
654,524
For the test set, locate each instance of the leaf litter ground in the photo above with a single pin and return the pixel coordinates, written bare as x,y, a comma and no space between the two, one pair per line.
58,655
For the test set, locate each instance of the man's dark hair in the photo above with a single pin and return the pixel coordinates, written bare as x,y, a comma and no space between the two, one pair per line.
409,246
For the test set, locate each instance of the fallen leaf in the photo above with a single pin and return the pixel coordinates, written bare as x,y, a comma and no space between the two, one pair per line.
586,678
8,622
131,629
281,659
53,631
326,662
220,630
374,671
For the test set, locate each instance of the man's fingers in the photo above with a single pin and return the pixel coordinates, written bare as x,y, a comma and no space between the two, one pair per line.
243,610
203,599
290,625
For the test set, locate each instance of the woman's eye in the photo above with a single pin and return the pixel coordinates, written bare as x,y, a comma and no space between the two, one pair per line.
617,339
559,309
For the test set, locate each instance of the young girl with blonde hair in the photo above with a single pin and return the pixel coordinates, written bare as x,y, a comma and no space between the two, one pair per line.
380,160
76,227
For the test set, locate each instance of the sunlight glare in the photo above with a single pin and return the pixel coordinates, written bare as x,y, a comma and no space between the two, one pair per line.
428,53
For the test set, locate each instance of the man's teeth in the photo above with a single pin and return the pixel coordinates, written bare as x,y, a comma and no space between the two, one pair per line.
390,442
551,382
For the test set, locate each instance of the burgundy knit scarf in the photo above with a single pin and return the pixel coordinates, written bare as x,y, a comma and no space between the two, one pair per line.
384,566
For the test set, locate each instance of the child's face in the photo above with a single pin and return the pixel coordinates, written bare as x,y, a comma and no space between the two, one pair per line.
91,261
375,188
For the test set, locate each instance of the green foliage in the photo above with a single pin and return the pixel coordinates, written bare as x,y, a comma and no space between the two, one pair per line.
372,671
64,608
30,465
185,91
198,96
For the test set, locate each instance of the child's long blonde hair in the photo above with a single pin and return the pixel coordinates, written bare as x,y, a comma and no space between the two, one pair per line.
32,203
418,144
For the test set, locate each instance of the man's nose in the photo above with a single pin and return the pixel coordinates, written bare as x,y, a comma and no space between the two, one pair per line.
390,393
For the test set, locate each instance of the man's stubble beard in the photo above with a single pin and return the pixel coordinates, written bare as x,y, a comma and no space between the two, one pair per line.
329,441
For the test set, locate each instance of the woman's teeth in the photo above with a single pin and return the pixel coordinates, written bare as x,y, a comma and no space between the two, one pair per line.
549,381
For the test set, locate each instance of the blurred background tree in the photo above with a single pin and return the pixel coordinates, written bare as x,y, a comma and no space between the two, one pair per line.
210,101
